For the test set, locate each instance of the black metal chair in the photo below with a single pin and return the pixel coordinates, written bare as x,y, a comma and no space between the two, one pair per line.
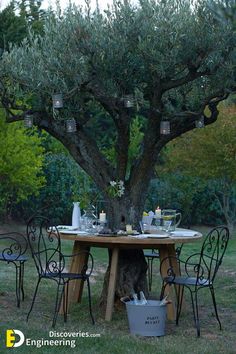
197,272
13,247
45,245
150,256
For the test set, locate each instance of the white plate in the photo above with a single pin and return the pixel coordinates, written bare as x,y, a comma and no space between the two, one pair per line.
183,233
73,232
158,236
66,227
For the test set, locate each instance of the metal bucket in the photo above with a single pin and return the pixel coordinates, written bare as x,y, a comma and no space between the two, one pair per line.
148,319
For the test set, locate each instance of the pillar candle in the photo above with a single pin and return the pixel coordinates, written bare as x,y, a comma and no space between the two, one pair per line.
129,228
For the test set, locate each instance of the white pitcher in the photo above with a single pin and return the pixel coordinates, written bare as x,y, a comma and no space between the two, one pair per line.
76,215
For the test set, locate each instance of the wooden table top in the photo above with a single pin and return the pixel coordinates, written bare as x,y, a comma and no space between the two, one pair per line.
112,241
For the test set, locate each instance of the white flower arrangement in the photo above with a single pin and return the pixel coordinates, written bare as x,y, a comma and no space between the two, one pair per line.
116,188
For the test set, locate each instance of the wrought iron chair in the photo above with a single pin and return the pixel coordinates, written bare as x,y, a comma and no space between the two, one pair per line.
13,247
197,272
45,245
150,256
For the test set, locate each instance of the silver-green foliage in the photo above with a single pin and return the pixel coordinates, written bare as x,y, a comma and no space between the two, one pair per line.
128,48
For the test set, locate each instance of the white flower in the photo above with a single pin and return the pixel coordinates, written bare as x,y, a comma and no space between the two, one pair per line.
113,183
117,188
121,191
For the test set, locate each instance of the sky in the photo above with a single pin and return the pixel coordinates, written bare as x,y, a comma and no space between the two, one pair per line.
64,3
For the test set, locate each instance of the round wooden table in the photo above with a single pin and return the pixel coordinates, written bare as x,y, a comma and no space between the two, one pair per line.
166,247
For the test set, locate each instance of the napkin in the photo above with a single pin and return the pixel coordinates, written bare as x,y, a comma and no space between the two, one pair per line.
139,236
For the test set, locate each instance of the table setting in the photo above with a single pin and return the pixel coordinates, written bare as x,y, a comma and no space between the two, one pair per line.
160,224
179,232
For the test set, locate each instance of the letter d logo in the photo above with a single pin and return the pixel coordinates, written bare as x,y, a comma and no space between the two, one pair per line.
11,338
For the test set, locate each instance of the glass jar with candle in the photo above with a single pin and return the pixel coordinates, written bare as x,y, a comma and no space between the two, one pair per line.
102,217
157,222
57,100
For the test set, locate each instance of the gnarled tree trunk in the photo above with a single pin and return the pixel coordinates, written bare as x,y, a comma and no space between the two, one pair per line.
132,266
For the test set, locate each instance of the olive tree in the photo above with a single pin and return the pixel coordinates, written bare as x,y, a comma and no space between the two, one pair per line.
174,58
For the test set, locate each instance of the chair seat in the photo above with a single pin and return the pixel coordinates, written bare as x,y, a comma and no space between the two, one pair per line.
12,258
191,281
151,254
68,276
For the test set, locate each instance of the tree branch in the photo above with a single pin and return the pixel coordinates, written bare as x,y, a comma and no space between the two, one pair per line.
180,124
192,75
143,167
81,146
121,117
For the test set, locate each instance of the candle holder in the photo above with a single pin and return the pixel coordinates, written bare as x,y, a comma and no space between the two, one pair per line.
57,100
129,229
28,121
128,101
71,125
200,123
157,222
165,127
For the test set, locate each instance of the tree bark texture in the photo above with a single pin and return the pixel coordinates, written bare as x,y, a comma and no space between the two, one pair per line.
131,277
132,265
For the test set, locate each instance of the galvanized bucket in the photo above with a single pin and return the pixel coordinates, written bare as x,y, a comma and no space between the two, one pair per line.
148,319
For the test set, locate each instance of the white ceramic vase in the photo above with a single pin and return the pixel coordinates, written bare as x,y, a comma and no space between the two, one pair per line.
76,215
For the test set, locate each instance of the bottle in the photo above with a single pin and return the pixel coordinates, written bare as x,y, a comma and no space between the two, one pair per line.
76,215
142,300
136,300
164,301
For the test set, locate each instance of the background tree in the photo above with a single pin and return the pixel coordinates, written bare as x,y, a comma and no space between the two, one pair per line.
172,189
210,154
12,26
15,19
65,182
21,160
174,57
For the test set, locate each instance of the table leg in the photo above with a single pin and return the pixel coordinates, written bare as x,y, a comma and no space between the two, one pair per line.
167,251
75,290
112,284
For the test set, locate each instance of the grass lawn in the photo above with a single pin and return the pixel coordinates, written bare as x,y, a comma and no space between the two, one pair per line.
114,336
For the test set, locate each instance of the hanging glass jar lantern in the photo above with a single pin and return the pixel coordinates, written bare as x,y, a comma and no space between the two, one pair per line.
71,125
200,122
28,120
128,101
57,100
165,127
